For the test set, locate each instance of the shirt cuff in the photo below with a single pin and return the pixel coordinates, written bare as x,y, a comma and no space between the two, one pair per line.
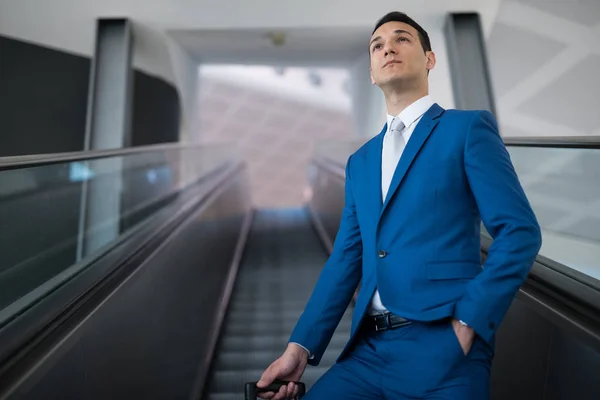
310,356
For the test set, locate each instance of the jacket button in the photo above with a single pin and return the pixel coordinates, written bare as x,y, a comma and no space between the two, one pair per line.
382,253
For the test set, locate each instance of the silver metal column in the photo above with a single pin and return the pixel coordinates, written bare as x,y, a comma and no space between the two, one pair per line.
108,126
110,91
468,62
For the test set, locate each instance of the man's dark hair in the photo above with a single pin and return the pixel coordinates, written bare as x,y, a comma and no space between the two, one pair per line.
397,16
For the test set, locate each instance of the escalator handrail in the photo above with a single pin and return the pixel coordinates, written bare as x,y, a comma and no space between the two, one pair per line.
570,142
16,162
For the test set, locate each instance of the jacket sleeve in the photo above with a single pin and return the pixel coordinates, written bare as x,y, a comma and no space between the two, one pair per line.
508,217
336,284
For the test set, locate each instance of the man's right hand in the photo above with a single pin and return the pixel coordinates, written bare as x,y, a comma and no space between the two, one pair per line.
289,367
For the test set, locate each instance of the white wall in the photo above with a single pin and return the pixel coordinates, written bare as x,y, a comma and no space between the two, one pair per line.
544,60
368,103
187,81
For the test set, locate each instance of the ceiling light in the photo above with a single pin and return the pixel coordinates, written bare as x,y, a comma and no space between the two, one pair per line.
277,38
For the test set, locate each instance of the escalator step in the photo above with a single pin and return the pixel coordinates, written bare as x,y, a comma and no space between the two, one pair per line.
274,298
266,299
267,304
259,316
270,328
279,270
275,323
244,306
241,360
267,342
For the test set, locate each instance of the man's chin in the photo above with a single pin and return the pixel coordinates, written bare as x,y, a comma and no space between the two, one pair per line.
394,80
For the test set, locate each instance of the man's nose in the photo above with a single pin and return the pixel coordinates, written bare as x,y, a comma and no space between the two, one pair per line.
389,49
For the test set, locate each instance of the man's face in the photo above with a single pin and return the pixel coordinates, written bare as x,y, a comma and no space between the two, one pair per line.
397,55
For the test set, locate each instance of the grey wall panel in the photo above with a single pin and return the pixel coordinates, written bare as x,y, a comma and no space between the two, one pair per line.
156,111
43,99
44,95
148,339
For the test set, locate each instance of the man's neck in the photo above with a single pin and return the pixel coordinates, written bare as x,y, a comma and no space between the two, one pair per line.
396,102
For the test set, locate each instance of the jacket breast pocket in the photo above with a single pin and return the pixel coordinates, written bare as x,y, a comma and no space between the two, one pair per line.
436,168
445,270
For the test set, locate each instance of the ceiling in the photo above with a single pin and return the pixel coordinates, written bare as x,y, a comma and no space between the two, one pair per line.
326,36
230,31
324,46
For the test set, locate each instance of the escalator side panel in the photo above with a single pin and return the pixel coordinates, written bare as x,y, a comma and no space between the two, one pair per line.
149,336
535,358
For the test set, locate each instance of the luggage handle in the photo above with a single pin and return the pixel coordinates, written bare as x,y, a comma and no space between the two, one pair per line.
251,389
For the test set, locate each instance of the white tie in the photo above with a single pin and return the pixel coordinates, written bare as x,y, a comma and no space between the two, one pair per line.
393,145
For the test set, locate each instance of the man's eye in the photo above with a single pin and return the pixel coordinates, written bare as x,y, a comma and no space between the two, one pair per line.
402,39
376,47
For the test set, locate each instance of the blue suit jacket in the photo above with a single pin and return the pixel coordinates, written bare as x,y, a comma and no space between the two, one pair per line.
454,173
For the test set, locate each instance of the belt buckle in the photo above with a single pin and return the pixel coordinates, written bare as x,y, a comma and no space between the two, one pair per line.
388,323
377,329
388,320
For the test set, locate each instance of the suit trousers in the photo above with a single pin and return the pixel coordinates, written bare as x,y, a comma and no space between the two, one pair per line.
416,361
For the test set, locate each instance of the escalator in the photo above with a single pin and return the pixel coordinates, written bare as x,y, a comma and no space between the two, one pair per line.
281,265
179,289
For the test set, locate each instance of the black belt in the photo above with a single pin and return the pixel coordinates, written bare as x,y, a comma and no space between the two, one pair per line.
385,321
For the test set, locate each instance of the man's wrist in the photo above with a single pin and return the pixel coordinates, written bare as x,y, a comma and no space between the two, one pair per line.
461,325
297,348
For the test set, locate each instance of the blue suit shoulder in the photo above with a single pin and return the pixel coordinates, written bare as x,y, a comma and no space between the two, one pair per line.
365,149
462,122
468,115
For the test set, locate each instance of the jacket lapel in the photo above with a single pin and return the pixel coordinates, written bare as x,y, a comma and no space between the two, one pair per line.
374,175
417,139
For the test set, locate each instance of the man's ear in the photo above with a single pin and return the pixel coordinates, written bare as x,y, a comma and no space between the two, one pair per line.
430,60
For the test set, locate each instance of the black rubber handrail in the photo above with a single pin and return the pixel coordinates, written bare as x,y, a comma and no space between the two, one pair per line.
569,142
16,162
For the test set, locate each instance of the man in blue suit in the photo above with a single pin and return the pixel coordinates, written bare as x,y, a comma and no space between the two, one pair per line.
415,196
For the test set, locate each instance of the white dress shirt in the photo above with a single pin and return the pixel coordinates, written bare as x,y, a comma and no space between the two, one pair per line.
393,147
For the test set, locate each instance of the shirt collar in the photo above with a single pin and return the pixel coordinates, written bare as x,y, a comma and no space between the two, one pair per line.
411,113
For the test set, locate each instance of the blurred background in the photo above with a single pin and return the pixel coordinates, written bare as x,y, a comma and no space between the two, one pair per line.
171,182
